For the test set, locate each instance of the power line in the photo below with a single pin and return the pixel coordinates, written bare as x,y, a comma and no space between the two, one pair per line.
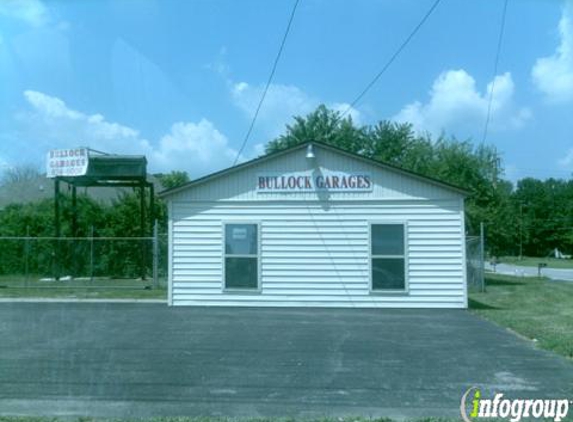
268,82
392,58
496,62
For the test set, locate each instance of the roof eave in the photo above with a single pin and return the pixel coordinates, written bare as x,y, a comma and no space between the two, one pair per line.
228,170
169,192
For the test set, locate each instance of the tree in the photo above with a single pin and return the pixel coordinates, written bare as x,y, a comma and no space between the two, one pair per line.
19,173
460,163
545,215
322,125
173,179
36,219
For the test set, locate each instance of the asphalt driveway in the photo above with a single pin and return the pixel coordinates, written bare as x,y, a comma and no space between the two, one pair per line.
139,360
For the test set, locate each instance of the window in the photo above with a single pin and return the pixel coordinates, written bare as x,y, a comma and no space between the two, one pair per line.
388,264
241,256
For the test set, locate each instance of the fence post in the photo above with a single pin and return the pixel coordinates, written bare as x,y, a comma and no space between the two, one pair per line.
143,232
74,254
92,253
155,255
482,256
57,228
26,256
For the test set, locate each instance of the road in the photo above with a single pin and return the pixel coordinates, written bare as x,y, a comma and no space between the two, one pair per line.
515,270
122,360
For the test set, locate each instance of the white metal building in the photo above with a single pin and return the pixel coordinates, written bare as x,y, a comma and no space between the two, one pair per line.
317,226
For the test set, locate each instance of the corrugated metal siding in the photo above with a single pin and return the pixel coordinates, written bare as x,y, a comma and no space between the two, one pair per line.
317,254
241,186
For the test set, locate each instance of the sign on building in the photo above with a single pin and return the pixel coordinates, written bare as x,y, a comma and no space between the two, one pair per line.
310,182
67,162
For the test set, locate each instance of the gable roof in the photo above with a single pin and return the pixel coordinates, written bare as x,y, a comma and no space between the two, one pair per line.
273,155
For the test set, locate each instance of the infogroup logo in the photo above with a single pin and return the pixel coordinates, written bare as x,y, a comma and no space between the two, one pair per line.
512,409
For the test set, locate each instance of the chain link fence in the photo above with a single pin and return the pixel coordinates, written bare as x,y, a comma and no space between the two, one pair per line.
475,264
122,262
94,262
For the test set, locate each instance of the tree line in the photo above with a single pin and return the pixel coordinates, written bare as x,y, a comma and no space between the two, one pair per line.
119,218
532,217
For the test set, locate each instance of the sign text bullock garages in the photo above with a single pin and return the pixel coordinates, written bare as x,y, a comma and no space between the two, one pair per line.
307,182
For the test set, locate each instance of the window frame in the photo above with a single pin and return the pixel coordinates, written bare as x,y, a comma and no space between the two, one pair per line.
245,290
371,257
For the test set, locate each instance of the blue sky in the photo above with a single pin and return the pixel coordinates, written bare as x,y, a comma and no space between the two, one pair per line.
179,80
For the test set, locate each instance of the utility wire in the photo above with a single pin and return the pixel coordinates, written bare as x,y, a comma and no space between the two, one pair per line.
268,82
392,58
496,62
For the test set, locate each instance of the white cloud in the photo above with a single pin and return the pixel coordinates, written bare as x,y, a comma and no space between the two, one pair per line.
553,75
33,12
456,106
51,119
567,160
219,65
281,104
197,148
51,107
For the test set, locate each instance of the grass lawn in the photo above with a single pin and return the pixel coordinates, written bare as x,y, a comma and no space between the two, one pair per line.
536,308
528,261
99,288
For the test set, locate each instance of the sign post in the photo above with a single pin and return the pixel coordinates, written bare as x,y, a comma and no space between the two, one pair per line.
69,162
56,252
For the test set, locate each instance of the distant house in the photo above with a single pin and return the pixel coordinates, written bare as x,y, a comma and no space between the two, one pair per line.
316,226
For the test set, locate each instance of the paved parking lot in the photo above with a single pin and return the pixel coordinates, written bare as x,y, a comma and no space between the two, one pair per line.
139,360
